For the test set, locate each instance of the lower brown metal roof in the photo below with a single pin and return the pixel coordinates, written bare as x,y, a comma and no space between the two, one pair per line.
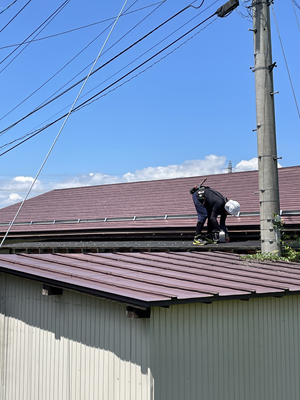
153,279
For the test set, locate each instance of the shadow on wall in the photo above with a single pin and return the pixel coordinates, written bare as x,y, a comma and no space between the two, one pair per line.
81,319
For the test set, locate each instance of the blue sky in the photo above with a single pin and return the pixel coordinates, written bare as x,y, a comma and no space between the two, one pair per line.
189,114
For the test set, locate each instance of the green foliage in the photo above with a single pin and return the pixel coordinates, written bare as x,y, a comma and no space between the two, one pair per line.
287,253
264,257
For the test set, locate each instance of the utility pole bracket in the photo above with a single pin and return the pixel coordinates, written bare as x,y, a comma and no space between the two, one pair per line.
226,8
270,155
272,66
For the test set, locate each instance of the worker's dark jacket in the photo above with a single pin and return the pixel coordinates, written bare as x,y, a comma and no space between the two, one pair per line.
214,204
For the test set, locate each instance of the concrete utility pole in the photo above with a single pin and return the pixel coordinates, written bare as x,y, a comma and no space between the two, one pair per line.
265,121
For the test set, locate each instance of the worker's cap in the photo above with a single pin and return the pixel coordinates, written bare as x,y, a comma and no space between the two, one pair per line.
233,207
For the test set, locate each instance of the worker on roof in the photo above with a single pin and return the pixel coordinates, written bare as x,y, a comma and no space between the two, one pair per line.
210,204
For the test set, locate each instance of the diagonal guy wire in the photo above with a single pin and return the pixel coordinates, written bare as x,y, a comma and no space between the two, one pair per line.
67,117
287,67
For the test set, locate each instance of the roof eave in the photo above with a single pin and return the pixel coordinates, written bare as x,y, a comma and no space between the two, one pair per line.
141,303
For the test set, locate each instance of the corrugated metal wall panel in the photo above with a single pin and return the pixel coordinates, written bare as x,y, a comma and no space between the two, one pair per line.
79,347
69,347
3,335
228,350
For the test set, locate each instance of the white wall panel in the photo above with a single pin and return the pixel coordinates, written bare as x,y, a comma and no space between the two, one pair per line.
69,347
230,350
80,347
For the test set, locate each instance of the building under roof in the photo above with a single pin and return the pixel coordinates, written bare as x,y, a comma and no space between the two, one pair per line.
113,320
145,211
154,326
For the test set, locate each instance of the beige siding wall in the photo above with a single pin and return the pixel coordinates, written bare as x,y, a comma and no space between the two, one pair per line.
231,350
79,347
69,347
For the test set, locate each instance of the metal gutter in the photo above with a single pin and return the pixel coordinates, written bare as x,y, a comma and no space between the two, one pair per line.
134,218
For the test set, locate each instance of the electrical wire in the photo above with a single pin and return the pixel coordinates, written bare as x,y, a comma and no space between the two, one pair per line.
15,16
78,82
141,72
109,48
81,27
6,8
21,51
296,4
53,15
287,67
69,62
40,87
65,121
127,65
34,133
99,68
143,63
94,97
37,131
293,2
28,134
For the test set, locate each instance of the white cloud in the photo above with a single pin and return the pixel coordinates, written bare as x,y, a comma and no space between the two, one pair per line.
21,183
13,198
249,165
96,178
210,165
23,179
15,189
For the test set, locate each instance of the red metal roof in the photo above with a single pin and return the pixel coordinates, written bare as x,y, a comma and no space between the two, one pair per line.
158,278
151,204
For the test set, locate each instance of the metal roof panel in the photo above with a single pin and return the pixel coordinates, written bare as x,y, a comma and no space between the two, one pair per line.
147,205
158,277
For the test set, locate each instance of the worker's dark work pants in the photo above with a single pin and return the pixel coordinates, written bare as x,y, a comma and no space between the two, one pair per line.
201,212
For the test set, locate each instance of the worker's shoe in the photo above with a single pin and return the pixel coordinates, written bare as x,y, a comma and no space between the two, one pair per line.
211,239
198,241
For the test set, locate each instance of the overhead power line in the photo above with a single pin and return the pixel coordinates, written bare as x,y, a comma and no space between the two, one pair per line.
65,121
287,67
131,62
6,8
93,98
15,16
30,133
80,52
144,70
52,16
296,4
99,68
81,27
